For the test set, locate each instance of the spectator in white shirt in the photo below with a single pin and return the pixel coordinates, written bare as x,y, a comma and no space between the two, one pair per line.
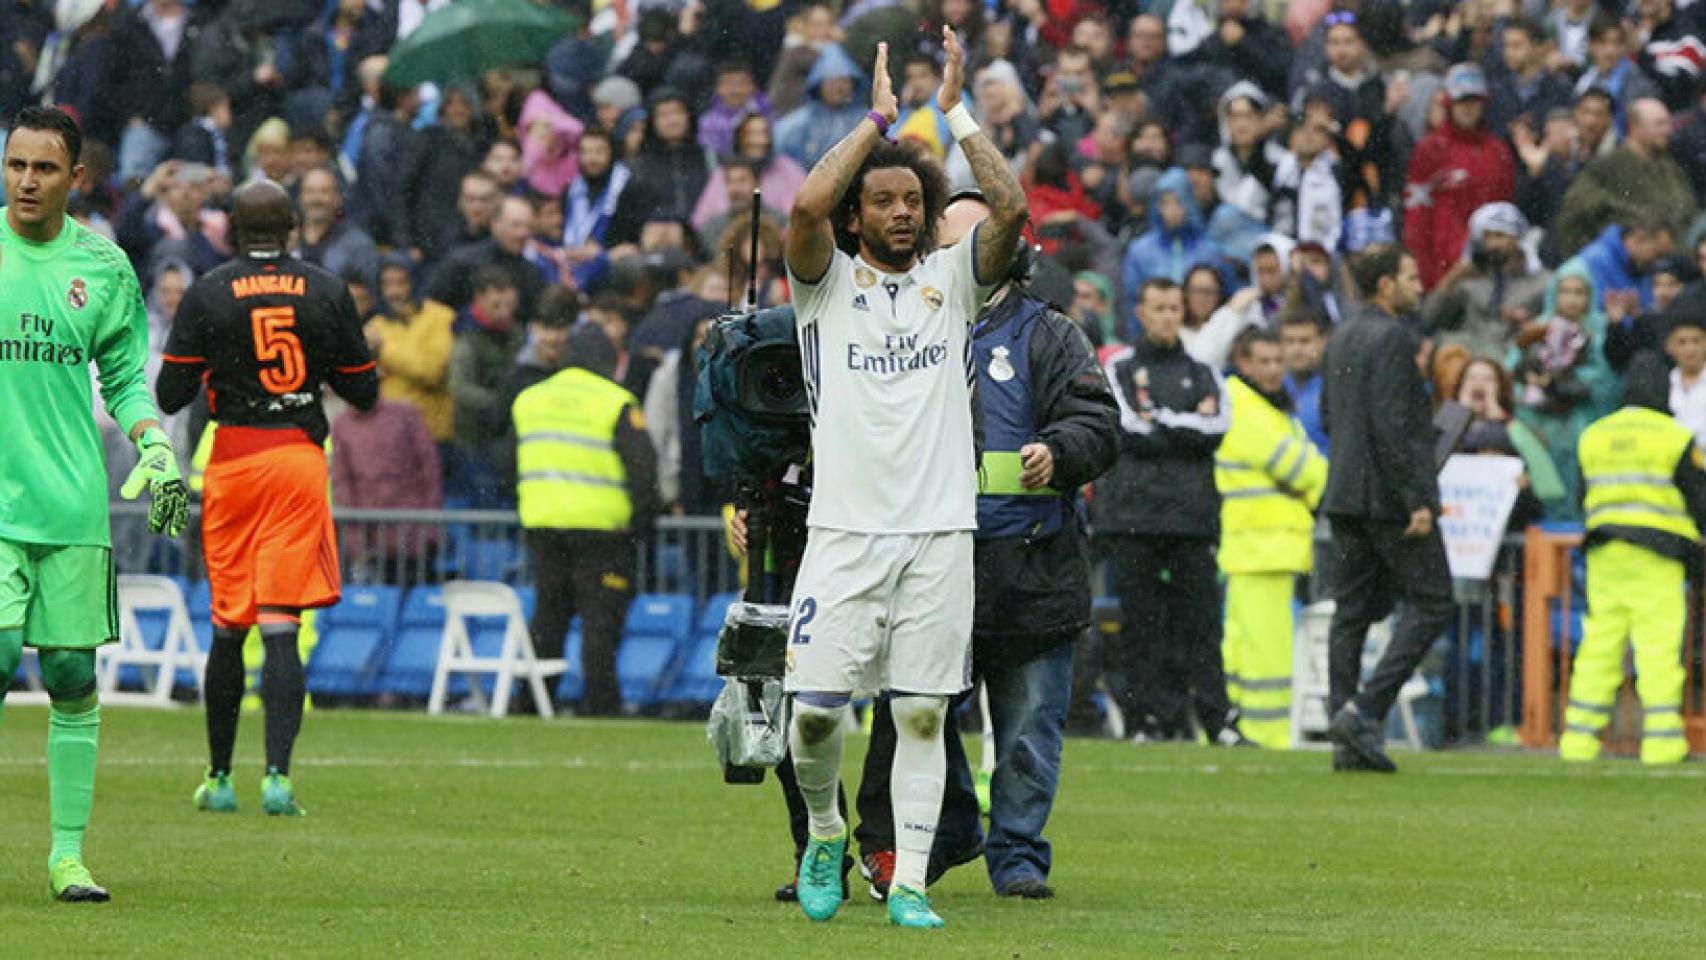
1686,346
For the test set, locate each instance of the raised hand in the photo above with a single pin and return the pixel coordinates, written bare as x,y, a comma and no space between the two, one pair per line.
953,73
882,88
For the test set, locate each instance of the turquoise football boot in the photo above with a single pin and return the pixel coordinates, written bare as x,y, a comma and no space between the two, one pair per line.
820,876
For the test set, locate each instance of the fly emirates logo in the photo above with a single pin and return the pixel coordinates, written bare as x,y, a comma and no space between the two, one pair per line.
901,353
34,343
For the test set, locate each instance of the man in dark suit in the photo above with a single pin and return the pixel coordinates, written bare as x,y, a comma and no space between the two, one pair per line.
1382,500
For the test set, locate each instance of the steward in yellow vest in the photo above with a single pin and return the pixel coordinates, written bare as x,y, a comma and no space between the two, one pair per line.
586,478
1644,499
1270,479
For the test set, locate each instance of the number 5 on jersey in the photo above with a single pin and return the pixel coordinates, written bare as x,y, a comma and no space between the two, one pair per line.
276,342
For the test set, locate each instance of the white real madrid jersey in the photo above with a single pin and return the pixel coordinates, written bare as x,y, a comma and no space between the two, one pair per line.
888,375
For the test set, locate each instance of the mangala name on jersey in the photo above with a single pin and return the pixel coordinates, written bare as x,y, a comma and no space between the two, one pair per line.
289,285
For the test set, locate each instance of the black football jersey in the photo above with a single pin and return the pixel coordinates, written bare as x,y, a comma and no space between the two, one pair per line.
263,333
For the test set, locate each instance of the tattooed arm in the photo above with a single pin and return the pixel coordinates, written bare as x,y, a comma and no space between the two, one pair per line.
998,236
811,231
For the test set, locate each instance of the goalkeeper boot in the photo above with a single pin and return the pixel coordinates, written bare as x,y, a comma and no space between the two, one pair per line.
71,882
911,908
278,797
215,795
820,881
980,786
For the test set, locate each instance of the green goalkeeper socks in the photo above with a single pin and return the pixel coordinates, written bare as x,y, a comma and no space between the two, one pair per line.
11,652
71,744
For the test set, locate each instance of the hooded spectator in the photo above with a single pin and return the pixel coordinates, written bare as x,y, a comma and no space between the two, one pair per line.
1456,170
1244,44
548,138
1560,427
612,99
736,96
1620,259
1246,163
836,100
670,171
1176,241
1487,294
780,176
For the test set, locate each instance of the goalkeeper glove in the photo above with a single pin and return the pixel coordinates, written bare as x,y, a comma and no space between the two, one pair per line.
157,466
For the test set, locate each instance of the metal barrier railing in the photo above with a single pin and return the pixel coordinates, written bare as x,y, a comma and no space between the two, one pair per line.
1472,670
410,547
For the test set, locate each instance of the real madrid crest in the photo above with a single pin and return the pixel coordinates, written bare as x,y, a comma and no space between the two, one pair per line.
933,298
864,277
78,295
1000,368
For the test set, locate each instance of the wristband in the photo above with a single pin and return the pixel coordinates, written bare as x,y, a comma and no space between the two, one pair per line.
881,121
153,436
960,123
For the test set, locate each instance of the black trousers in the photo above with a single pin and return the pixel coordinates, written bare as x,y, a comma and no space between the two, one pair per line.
1170,633
592,574
1375,565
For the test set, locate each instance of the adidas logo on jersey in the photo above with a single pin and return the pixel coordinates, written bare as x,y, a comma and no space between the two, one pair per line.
860,304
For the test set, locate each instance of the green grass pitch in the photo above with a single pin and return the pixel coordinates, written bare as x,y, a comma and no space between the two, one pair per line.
451,837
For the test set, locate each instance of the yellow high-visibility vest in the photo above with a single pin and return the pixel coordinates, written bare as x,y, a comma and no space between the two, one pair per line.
1629,462
568,474
1270,479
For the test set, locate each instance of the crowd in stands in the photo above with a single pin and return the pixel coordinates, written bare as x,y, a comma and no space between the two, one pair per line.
1545,160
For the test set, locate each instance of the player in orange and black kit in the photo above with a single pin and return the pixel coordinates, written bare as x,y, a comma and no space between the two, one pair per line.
264,332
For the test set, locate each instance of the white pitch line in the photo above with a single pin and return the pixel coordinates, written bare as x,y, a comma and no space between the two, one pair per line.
1611,770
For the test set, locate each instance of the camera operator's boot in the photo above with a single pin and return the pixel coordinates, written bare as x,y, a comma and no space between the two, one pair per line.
821,880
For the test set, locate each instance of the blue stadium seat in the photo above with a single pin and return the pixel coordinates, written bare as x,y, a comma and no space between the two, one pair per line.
716,611
352,639
572,684
652,642
697,682
413,657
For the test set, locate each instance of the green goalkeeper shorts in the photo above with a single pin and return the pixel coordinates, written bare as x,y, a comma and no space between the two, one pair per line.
59,596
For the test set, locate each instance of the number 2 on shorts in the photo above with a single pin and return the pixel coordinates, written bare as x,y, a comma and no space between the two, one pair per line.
802,616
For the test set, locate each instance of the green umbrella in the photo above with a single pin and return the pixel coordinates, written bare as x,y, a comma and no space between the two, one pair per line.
469,37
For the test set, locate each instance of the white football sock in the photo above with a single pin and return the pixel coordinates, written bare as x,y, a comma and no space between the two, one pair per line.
916,784
814,738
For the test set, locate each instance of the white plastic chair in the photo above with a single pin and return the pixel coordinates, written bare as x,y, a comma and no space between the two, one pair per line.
515,660
1311,687
177,650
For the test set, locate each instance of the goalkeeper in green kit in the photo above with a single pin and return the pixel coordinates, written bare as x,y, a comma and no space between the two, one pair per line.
68,296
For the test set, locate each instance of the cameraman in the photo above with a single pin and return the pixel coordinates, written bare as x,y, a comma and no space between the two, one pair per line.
1049,425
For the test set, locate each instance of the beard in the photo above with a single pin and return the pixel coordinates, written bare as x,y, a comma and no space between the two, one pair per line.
886,253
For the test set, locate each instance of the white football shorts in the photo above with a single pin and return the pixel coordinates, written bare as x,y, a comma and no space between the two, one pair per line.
877,612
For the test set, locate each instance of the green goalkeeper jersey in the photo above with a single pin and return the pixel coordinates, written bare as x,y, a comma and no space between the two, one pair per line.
64,304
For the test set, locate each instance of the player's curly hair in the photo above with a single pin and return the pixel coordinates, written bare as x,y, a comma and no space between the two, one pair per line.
911,156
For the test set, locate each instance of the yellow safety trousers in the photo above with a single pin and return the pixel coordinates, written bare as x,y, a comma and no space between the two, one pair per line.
1634,595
